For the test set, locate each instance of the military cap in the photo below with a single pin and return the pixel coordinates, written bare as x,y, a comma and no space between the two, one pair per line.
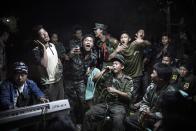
119,58
100,26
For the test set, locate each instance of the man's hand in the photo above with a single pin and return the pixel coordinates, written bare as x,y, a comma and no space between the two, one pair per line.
144,116
88,71
43,100
112,90
109,68
121,47
75,51
40,44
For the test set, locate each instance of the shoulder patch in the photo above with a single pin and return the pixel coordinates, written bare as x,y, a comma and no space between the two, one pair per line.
186,86
174,77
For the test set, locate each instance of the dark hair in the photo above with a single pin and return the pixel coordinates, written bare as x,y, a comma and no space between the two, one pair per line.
166,34
164,71
35,30
187,65
125,32
88,35
167,54
77,27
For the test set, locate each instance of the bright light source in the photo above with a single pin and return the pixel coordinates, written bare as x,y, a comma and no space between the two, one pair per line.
7,20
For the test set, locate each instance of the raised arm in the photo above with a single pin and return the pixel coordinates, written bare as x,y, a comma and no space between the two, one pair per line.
44,58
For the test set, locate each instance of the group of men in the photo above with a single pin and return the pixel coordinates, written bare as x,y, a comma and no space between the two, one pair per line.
101,77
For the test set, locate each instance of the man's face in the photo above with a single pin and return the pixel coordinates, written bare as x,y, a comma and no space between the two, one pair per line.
166,60
88,43
165,40
98,32
140,34
78,34
54,38
43,35
20,78
154,76
183,71
117,67
124,39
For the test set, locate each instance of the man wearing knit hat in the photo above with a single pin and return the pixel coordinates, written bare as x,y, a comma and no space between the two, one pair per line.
19,90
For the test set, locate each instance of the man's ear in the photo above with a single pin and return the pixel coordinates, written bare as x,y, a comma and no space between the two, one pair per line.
122,67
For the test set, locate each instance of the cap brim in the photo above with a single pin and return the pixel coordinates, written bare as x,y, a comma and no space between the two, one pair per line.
116,59
21,71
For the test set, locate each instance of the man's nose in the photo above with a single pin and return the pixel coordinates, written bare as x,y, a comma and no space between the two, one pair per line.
20,77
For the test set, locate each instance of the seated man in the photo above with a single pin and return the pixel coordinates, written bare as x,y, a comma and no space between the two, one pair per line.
115,96
186,80
19,91
150,111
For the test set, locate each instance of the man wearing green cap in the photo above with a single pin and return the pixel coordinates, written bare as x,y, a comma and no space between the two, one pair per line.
114,89
104,44
133,54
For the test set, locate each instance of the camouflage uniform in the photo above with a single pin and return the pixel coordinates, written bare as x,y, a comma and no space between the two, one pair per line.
186,83
111,105
75,83
75,87
151,101
103,50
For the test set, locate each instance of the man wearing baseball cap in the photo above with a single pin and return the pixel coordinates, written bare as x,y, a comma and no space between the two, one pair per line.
114,93
18,91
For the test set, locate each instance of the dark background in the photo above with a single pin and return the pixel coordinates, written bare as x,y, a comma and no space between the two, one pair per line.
61,16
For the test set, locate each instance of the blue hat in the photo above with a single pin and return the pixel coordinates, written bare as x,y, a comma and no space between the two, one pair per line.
20,67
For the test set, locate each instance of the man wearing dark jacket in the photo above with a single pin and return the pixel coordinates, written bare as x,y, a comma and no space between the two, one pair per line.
150,112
